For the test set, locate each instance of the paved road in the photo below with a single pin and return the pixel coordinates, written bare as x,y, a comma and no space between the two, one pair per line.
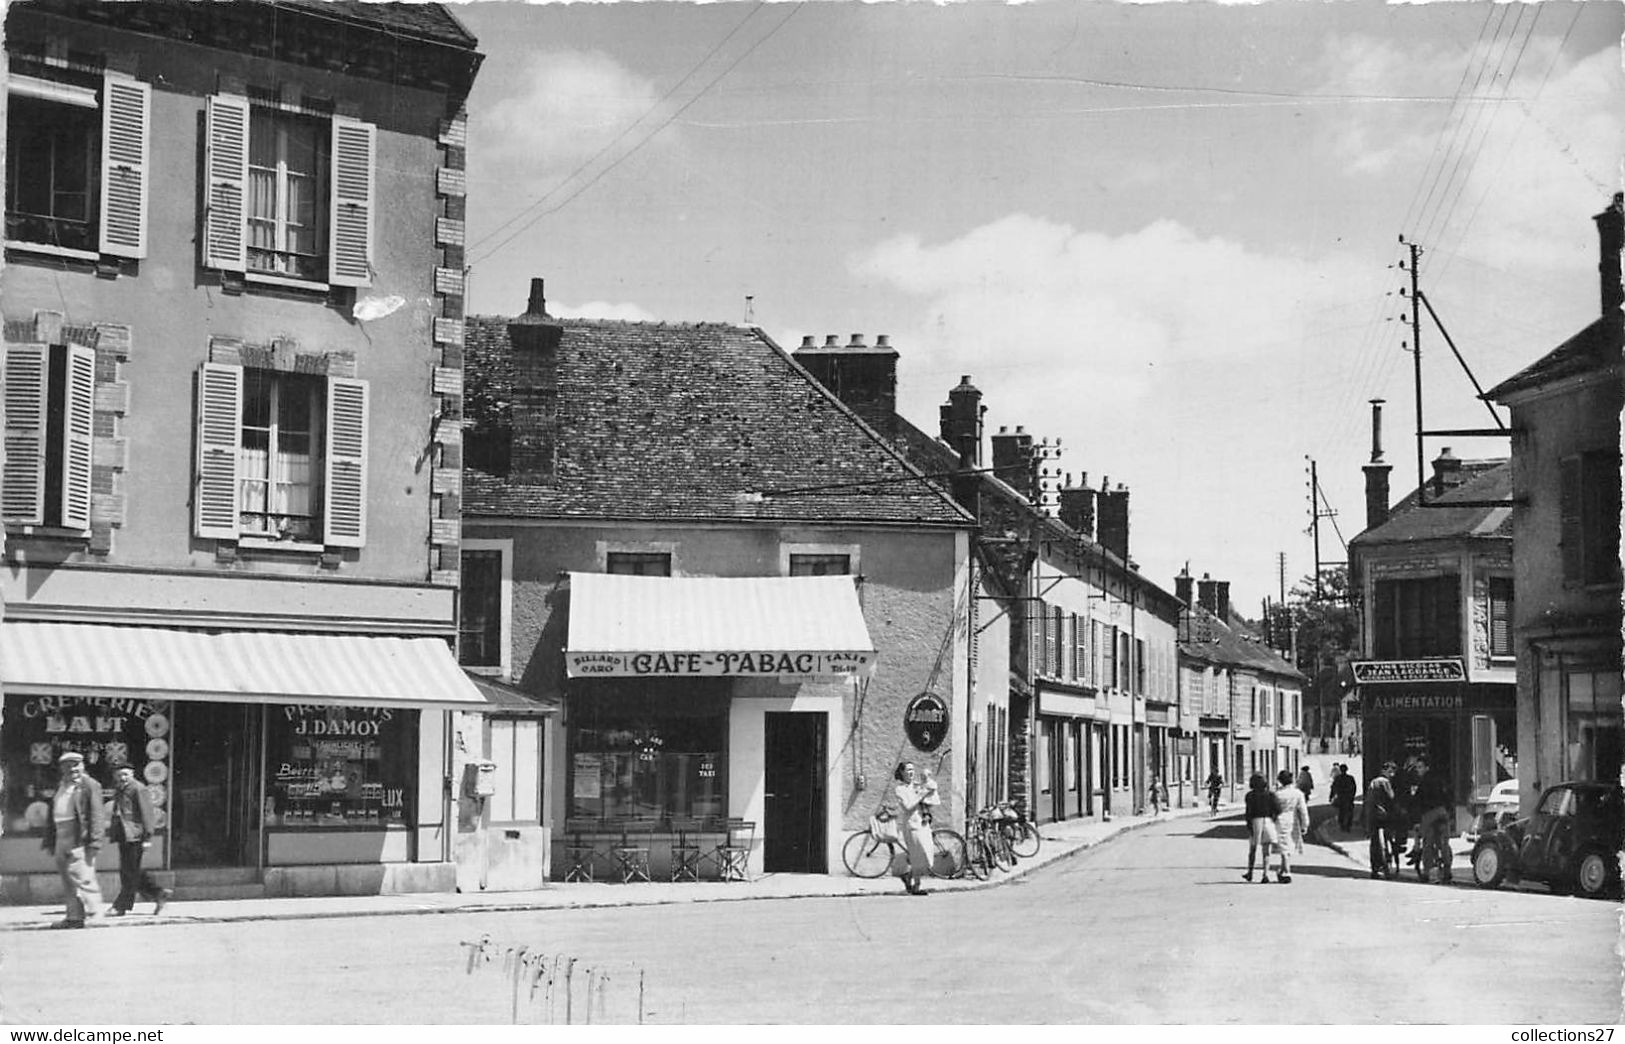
1154,927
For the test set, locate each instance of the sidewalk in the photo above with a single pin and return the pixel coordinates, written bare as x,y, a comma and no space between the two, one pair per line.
1060,841
1357,847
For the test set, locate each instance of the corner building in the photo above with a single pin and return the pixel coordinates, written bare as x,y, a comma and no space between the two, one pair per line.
232,335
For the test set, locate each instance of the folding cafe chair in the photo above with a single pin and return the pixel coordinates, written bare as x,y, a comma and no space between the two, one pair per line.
733,854
632,854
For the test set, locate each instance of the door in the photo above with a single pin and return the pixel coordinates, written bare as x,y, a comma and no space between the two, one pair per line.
215,788
796,806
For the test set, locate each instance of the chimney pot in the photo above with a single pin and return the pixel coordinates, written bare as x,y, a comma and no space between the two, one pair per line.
831,340
807,341
857,339
883,341
537,305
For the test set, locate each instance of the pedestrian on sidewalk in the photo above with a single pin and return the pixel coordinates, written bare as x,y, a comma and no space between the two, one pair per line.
1262,808
1292,823
915,794
1382,816
1343,790
1215,783
73,836
1153,794
1306,782
1435,809
131,826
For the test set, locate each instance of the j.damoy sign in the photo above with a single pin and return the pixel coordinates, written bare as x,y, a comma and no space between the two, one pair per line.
925,721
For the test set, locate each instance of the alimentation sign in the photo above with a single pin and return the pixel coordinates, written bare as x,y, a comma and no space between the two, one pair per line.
1401,672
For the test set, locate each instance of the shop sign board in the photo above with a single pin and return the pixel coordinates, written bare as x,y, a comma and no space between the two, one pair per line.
731,664
1184,744
925,721
1400,672
1400,702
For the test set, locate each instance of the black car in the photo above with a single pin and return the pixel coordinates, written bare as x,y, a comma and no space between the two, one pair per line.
1572,842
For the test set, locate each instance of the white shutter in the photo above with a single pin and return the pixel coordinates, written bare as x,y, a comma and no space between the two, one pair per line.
349,258
22,488
225,219
344,518
126,115
219,424
78,424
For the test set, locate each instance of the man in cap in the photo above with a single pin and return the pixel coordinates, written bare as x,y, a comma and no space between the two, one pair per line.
131,827
1381,820
73,835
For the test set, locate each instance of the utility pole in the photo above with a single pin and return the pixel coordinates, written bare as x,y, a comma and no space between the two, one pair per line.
1416,351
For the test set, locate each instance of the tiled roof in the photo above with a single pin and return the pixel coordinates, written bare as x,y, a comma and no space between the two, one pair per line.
696,422
420,21
1594,348
1409,523
1207,638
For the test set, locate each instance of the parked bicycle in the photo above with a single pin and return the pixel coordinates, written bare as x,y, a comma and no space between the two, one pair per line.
998,836
870,855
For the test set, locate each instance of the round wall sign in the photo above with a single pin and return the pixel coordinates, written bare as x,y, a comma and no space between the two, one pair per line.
925,721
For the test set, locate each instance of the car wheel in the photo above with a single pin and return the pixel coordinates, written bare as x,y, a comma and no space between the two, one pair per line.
1592,875
1489,868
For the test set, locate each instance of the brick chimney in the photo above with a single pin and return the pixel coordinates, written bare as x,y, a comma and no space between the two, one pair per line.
534,338
862,376
1182,585
1447,474
1013,460
1376,473
1611,239
1214,596
1078,507
1112,522
961,419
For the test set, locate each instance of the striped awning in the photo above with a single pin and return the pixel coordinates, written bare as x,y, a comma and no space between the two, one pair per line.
760,626
101,660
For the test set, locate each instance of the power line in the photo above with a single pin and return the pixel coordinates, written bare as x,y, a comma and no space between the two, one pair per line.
647,137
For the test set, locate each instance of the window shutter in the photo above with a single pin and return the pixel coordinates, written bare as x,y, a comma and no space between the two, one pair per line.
219,420
344,520
225,221
349,257
78,424
22,489
1571,540
126,115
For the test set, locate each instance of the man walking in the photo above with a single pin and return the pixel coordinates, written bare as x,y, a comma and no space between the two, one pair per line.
1343,788
131,828
1434,806
73,835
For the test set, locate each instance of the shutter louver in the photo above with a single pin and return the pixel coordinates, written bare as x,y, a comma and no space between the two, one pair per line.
344,519
22,488
354,156
219,416
78,424
1571,540
225,221
126,115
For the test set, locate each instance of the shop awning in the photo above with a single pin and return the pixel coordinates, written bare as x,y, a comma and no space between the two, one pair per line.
100,660
506,698
762,626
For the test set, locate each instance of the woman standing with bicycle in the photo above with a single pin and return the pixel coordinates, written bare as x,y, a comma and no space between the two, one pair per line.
915,793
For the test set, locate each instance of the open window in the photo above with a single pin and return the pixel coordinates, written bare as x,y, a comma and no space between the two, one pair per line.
290,193
282,457
76,163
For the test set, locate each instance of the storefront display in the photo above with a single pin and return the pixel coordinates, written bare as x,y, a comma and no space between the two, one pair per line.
632,759
108,732
336,767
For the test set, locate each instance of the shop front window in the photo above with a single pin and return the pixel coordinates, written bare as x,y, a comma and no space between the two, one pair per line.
335,767
658,757
108,732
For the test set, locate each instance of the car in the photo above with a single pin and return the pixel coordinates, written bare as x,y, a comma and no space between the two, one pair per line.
1571,843
1497,812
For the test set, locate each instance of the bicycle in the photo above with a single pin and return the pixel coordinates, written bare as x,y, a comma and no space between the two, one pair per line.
1022,834
869,856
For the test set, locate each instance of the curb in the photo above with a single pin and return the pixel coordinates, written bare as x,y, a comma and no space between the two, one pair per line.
1059,849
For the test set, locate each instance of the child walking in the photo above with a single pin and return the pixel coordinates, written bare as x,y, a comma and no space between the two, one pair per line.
1262,809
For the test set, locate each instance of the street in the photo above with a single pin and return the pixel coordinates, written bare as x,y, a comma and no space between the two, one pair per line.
1154,927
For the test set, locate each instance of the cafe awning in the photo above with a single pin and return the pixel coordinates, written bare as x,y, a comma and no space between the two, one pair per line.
101,660
760,626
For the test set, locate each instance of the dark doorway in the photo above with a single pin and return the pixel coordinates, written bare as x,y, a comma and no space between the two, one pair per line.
793,827
215,790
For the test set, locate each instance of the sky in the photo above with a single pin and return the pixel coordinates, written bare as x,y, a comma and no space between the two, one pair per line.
1166,235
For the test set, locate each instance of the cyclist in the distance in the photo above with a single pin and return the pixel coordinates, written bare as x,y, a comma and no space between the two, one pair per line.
1215,783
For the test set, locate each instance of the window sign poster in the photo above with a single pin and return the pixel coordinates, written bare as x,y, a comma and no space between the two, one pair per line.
587,777
108,731
340,766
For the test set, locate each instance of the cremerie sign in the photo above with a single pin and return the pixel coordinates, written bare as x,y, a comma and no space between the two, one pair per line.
1399,672
925,721
729,664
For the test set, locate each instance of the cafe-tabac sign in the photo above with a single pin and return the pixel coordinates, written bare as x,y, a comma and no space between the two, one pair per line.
733,664
1399,672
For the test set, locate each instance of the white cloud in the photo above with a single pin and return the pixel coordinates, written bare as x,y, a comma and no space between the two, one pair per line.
569,106
605,310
